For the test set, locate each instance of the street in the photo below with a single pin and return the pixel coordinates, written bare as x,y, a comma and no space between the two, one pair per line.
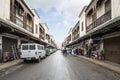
59,67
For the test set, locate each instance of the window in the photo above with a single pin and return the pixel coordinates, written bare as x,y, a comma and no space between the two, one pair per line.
32,47
25,47
82,27
36,29
108,5
39,48
42,48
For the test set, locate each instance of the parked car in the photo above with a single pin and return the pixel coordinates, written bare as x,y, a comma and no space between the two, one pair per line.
47,51
54,50
32,51
51,51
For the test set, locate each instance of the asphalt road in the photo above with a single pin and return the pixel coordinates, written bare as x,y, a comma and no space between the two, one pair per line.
59,67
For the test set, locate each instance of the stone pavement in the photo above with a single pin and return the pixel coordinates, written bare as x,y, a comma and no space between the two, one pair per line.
106,64
10,64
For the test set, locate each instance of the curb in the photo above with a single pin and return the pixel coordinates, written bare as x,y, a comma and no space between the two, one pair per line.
108,66
10,64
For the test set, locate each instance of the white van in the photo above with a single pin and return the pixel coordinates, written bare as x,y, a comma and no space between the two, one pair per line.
32,51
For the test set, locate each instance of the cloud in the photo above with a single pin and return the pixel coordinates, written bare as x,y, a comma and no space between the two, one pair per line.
60,15
69,7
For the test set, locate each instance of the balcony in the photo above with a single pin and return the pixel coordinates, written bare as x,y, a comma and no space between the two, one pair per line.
41,37
76,36
99,21
29,27
17,20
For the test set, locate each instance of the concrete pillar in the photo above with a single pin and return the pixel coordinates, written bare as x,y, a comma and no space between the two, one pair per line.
19,43
0,48
102,46
0,42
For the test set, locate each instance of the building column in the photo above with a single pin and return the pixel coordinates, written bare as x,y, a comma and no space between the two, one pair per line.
19,43
102,49
0,42
0,48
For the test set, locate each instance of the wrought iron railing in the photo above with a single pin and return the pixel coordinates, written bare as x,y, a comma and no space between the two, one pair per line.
99,21
75,36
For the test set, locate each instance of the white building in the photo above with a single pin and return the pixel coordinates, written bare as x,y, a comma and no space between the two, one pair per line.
103,18
82,22
36,23
18,24
16,27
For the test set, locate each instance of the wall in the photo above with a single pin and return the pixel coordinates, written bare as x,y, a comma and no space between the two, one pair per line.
89,20
101,10
82,19
0,42
0,48
5,9
115,8
70,33
36,22
45,27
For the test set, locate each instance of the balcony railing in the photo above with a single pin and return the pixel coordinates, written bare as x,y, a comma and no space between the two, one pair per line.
42,36
76,37
17,20
99,21
29,28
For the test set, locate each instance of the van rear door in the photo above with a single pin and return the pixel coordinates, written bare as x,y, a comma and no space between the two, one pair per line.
32,52
24,50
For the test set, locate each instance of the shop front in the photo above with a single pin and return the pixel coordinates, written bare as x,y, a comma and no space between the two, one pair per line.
9,49
112,49
94,48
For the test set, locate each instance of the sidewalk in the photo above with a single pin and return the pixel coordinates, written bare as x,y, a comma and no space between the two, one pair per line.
106,64
10,64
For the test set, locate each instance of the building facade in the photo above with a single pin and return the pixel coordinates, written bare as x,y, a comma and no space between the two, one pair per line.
82,22
18,24
102,21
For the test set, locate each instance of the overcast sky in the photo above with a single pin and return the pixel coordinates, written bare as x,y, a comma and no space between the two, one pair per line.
60,15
